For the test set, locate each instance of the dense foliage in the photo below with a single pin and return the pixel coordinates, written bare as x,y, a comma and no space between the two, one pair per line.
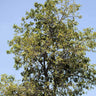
9,86
52,51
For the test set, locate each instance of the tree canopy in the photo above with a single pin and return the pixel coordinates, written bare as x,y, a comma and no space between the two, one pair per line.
52,50
9,86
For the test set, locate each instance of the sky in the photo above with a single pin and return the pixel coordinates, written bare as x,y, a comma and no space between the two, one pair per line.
11,12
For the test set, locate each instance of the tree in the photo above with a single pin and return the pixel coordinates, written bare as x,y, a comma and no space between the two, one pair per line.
9,86
52,50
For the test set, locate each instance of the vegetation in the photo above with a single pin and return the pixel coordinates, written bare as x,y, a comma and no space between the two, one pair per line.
52,51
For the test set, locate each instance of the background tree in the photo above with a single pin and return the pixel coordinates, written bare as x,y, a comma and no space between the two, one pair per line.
9,86
52,50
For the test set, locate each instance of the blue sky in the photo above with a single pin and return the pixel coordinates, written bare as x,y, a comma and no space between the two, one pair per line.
11,12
